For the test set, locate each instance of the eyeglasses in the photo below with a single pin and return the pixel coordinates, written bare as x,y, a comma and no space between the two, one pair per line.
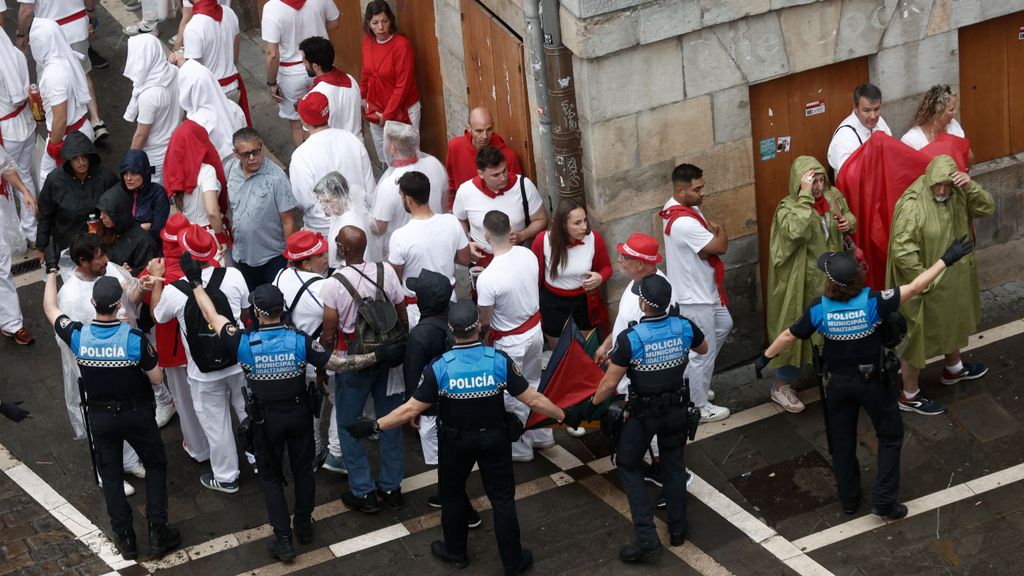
249,154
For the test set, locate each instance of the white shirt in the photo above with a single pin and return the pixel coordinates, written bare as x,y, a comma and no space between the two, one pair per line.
429,244
56,87
286,27
345,105
75,297
74,31
471,204
916,139
509,284
213,44
192,205
579,260
22,126
158,107
629,311
845,141
349,218
692,279
188,4
172,305
387,204
308,314
327,151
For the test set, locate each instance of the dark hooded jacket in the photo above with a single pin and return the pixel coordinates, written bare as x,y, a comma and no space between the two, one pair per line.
431,337
149,202
129,243
65,202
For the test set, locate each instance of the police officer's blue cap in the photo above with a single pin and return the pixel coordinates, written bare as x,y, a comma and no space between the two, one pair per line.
840,267
106,292
267,299
654,290
463,316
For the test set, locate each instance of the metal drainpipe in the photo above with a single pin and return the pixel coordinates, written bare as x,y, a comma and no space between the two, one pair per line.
535,60
565,129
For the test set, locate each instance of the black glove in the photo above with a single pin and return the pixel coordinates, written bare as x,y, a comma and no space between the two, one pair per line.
191,269
760,364
390,353
957,250
362,428
14,411
578,413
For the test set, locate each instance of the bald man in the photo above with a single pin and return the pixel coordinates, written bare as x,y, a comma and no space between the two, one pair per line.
353,388
462,150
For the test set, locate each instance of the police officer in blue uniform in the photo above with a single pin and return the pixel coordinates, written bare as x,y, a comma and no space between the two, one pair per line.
654,353
119,369
468,384
849,317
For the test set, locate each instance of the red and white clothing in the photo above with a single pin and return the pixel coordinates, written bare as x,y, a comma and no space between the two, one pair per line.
461,160
11,319
17,128
288,24
193,205
916,139
474,200
510,284
849,136
562,294
329,150
69,14
427,244
344,100
154,100
387,200
388,84
211,39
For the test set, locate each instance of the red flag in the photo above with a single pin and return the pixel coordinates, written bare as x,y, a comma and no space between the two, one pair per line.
571,376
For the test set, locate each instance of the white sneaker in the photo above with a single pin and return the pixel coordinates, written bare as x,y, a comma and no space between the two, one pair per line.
543,445
785,396
576,432
164,413
173,40
711,395
713,413
142,27
139,471
523,458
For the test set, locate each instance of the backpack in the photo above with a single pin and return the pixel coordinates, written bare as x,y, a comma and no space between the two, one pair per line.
376,318
208,351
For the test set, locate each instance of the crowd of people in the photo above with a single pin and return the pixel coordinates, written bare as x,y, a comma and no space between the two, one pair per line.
219,286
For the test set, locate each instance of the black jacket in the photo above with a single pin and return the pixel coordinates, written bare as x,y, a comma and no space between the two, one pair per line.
149,202
431,337
132,245
65,202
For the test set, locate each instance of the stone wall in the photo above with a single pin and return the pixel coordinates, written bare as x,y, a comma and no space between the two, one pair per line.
667,81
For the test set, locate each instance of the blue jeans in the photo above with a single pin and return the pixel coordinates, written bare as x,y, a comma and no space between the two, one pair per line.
351,391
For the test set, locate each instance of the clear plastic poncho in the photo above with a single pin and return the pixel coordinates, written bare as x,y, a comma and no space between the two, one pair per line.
346,205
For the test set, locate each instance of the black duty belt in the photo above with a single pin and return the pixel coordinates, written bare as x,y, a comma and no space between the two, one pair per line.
868,371
677,397
284,402
115,406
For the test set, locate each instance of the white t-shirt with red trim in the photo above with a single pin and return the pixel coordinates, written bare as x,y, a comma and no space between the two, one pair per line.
213,43
472,204
287,27
510,284
345,105
692,278
76,30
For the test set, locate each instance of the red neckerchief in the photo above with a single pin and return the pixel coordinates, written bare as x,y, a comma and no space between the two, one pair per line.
479,183
680,211
209,8
400,162
335,78
296,4
821,205
574,243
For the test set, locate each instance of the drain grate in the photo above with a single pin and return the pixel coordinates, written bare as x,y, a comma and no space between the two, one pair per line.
25,267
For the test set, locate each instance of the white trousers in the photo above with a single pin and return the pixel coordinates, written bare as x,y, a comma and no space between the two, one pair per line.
193,438
214,402
525,350
428,439
715,322
21,154
377,131
10,309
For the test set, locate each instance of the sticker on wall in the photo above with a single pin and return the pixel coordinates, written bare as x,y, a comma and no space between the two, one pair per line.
814,108
1020,35
783,144
767,149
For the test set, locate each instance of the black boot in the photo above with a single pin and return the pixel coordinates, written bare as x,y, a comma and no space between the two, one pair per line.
440,551
126,544
303,530
282,548
162,539
635,552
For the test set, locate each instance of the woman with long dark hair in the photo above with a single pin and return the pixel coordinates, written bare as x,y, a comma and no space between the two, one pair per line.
388,80
575,264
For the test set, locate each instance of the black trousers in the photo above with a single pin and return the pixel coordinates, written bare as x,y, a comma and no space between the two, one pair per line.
492,450
846,394
291,426
670,427
136,425
262,274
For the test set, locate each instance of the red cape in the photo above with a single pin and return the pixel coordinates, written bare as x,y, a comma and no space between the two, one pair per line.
873,179
188,150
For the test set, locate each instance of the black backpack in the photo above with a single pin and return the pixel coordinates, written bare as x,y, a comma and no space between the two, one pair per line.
376,318
208,351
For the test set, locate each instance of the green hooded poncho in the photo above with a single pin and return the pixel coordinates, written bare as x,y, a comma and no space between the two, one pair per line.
797,239
922,228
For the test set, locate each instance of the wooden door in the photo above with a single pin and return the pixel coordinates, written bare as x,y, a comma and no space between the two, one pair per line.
805,108
495,78
347,38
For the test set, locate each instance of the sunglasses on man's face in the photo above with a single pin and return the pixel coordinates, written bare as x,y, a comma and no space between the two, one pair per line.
249,154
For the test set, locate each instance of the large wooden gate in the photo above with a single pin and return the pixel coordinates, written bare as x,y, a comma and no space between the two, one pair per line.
495,78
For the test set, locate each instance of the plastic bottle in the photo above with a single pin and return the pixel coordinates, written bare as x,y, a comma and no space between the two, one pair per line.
94,224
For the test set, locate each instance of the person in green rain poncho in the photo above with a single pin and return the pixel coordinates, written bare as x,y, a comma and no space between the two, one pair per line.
810,221
938,208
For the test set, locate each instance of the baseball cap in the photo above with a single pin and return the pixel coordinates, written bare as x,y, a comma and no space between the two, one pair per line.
641,247
313,109
267,299
840,267
106,292
654,290
463,316
304,244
